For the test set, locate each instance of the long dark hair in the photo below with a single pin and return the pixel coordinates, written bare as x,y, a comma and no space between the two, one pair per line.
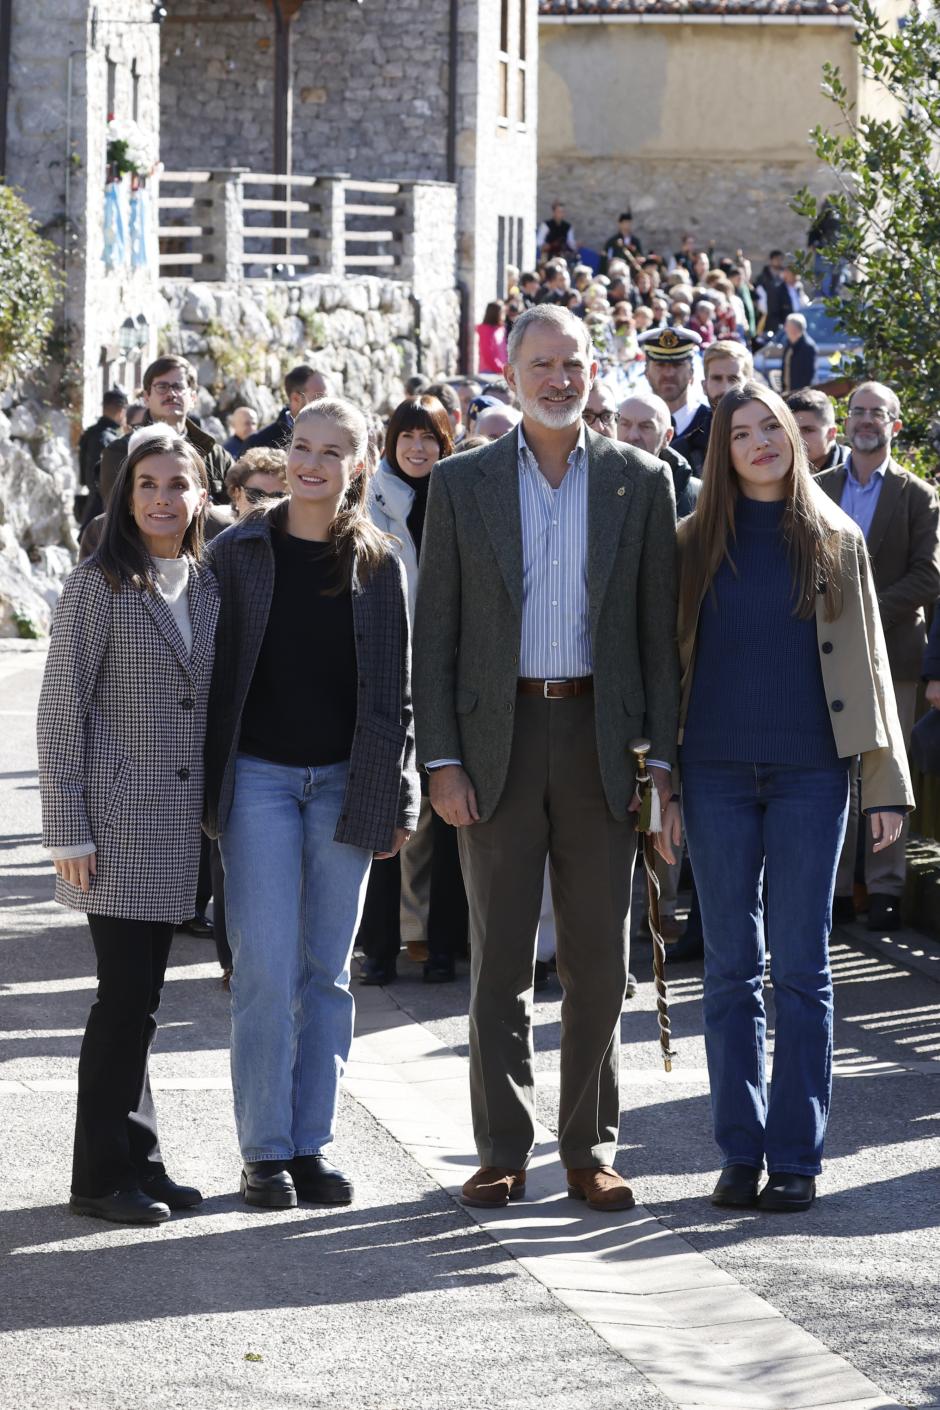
814,546
357,542
121,553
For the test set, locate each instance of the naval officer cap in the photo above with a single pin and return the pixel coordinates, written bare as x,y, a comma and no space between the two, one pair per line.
670,344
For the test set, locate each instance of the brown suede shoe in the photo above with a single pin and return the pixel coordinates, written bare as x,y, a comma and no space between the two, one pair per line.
602,1187
493,1186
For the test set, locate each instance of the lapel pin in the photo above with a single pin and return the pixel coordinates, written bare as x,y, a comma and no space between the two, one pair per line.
621,490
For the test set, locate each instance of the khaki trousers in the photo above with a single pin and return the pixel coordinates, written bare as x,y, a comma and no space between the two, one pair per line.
884,871
553,805
416,880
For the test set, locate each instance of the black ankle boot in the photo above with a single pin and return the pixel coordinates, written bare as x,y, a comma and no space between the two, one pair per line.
267,1184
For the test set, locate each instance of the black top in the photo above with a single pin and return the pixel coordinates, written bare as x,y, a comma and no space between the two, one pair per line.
420,484
301,706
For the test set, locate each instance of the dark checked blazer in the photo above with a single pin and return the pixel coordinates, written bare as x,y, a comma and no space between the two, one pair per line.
122,719
382,792
468,619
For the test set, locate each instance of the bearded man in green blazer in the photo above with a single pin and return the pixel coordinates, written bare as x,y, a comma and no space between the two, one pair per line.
545,641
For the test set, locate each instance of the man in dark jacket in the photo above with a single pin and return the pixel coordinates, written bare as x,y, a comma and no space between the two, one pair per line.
815,417
643,421
302,384
772,293
899,514
169,395
107,428
799,355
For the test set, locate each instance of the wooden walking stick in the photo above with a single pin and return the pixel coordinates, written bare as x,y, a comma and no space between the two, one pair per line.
648,823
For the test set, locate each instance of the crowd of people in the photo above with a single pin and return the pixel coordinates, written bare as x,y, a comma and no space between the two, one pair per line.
378,682
624,295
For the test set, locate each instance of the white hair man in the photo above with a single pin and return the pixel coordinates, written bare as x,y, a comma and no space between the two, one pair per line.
544,642
799,355
643,420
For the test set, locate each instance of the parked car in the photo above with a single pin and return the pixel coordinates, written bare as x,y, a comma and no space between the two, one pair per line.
833,344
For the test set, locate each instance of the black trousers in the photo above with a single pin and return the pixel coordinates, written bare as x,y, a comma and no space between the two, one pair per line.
116,1144
380,930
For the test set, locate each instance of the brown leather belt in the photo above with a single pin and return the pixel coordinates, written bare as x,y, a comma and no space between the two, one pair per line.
556,690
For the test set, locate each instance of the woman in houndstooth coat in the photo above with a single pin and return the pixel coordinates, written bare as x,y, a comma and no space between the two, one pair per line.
121,728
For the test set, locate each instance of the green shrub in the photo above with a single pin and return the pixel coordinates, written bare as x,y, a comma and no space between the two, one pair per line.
29,288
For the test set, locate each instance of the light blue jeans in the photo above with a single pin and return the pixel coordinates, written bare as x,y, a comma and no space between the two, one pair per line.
293,899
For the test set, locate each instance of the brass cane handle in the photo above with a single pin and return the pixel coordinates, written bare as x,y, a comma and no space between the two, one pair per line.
640,748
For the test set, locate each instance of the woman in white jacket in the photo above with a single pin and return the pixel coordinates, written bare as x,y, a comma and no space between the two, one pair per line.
420,900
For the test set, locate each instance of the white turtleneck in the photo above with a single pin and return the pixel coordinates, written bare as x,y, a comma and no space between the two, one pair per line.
173,581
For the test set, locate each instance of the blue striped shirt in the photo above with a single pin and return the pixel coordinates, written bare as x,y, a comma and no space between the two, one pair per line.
556,632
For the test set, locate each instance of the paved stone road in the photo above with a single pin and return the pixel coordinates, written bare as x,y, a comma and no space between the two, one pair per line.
404,1300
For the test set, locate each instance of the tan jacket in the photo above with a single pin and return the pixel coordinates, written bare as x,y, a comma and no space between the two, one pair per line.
855,670
904,548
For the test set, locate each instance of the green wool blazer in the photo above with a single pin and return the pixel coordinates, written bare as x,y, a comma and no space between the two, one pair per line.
468,618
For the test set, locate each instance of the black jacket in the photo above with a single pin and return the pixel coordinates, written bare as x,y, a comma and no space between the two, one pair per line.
216,457
382,792
778,299
799,364
931,666
693,443
835,458
93,441
276,436
688,487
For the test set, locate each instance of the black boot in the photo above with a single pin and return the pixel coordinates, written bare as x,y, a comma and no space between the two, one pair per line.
737,1187
787,1193
319,1182
267,1184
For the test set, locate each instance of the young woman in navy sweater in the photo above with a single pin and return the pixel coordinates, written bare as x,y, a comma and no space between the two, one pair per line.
785,678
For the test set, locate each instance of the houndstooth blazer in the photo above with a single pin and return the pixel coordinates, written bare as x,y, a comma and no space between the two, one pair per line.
122,720
382,792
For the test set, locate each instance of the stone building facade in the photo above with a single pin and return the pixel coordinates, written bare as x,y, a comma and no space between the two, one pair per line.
694,113
372,97
72,65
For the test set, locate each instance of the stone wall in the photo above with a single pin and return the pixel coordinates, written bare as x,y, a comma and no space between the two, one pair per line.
735,204
242,338
60,97
696,127
371,85
370,88
37,529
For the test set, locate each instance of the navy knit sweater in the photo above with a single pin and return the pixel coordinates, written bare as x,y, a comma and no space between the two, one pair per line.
757,691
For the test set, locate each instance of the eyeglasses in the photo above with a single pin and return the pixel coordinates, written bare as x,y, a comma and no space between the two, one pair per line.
162,388
255,495
875,413
599,418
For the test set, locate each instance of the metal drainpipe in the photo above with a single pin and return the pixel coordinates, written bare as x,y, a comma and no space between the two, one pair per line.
453,59
6,46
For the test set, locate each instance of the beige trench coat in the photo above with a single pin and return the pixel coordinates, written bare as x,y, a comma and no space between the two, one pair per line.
855,671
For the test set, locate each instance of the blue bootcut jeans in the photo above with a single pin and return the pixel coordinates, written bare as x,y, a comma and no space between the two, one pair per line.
293,900
739,820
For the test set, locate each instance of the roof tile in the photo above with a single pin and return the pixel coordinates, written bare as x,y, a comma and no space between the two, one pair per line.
695,7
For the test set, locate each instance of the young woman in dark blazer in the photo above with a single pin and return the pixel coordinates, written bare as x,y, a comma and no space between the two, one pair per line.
121,727
310,773
785,680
